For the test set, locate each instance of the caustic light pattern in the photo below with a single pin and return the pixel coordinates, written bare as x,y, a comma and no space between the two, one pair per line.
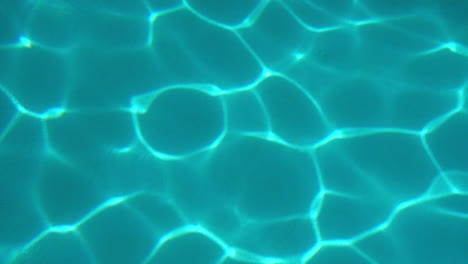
231,132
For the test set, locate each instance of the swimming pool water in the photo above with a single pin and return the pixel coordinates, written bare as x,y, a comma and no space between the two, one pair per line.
233,132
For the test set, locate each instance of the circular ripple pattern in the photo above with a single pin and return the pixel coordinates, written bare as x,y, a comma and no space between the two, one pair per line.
233,132
181,121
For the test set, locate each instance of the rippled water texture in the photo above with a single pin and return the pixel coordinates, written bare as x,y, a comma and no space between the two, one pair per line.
233,132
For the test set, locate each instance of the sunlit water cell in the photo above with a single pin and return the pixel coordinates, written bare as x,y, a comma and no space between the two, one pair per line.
180,121
190,50
267,179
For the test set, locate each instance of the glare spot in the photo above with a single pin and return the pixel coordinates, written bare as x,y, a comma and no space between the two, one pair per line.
299,56
25,42
153,17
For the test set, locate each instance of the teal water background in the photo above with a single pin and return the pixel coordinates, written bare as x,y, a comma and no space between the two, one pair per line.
233,132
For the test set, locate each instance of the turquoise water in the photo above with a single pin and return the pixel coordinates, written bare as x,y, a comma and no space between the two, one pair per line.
233,132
